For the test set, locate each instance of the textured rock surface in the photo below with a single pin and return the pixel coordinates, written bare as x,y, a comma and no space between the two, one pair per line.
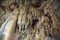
6,3
3,15
37,25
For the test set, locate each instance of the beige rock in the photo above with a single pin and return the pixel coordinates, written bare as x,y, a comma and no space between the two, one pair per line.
10,26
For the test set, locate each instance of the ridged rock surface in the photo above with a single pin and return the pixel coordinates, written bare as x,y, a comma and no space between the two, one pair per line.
33,23
37,24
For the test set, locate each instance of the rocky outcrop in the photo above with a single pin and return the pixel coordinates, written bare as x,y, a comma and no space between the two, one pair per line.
36,24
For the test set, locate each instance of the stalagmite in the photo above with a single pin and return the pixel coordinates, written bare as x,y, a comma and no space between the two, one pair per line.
10,26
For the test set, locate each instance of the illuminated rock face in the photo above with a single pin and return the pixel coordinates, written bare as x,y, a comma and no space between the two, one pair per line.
36,25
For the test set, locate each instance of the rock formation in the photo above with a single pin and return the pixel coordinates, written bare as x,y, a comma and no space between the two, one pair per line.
36,20
36,24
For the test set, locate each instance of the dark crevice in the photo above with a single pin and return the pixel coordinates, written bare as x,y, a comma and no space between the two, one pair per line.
24,28
34,21
37,5
50,35
21,27
16,26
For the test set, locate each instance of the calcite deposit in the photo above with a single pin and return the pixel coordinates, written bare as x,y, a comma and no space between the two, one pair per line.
37,25
36,19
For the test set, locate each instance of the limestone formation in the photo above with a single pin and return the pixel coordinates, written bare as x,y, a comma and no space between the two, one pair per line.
37,25
36,20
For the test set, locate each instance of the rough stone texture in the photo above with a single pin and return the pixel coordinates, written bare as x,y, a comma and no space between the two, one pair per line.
36,24
6,3
10,26
3,15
